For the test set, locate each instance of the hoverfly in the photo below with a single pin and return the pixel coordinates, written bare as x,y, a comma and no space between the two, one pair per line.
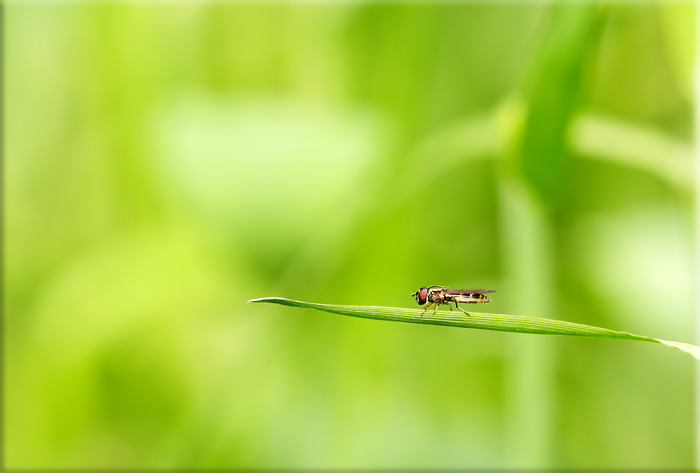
439,295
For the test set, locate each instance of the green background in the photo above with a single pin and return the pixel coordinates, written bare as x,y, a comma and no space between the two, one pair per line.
165,163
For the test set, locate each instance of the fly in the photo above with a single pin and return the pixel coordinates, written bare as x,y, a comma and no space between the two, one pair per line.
439,295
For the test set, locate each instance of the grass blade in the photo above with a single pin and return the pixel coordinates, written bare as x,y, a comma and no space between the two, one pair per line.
479,320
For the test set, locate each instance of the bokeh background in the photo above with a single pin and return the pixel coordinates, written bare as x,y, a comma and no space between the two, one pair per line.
166,162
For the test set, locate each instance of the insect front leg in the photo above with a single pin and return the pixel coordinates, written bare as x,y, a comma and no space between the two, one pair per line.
426,308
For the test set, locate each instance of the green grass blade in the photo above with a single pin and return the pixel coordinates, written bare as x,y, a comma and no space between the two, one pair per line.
478,320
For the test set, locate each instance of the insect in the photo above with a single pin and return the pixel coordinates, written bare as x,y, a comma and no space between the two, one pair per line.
439,295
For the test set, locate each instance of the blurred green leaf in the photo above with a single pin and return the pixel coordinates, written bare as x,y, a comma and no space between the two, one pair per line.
556,88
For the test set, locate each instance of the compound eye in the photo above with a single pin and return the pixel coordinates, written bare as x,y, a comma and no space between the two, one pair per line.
422,296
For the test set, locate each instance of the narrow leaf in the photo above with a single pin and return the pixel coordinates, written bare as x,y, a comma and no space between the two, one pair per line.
479,320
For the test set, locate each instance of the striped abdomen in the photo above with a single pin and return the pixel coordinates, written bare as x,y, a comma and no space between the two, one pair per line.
470,298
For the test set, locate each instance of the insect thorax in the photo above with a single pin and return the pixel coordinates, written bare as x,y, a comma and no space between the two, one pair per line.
436,294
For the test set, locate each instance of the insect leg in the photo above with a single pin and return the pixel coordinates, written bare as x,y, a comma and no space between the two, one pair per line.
457,305
426,307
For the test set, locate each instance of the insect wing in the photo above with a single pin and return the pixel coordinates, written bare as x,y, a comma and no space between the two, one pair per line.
466,292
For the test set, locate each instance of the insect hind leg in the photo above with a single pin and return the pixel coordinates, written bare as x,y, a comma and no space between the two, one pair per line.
457,305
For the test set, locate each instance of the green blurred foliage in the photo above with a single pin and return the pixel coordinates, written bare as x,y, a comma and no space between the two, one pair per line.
164,163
